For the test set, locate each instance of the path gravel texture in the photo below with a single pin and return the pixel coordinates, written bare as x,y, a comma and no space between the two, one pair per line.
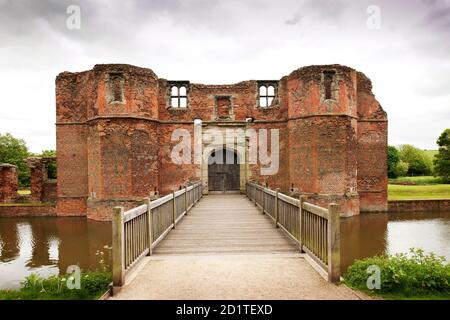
225,248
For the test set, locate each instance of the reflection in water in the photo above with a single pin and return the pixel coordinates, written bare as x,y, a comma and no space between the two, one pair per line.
9,242
48,246
374,234
363,236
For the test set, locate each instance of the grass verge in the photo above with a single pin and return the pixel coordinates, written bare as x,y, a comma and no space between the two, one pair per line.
418,180
92,286
401,192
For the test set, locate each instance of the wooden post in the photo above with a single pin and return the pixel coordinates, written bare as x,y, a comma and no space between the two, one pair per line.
174,211
150,225
334,234
263,199
276,208
194,196
200,186
300,222
254,194
118,248
185,199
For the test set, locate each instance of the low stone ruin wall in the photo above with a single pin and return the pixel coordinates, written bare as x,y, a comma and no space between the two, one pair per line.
27,210
419,205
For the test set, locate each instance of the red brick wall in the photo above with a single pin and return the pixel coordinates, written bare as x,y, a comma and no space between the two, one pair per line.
323,136
372,146
419,205
22,210
8,183
114,129
74,93
49,193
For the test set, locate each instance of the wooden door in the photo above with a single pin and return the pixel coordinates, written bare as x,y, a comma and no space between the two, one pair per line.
224,176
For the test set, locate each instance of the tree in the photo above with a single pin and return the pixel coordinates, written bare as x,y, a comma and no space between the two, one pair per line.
442,158
393,159
401,169
51,167
419,162
15,151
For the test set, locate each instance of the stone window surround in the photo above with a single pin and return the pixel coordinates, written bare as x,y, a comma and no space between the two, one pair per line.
333,86
216,107
178,84
267,84
110,96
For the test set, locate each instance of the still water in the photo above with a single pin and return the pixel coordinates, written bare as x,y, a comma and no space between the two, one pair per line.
374,234
49,245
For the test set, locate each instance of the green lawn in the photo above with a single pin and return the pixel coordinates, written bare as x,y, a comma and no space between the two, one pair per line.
435,191
418,180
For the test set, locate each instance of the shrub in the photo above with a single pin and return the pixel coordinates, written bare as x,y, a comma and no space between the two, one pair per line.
414,274
34,287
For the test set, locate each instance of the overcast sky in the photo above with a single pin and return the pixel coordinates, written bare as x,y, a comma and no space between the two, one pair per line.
226,41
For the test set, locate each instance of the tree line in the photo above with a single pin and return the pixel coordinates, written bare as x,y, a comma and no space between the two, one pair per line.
407,160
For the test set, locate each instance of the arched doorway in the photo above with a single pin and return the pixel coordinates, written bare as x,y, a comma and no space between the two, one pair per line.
223,171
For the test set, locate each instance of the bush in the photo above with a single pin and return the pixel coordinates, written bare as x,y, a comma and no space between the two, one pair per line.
392,161
34,287
416,274
401,169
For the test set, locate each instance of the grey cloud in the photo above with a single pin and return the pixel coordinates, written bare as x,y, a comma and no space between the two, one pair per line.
432,32
188,39
102,21
328,10
294,20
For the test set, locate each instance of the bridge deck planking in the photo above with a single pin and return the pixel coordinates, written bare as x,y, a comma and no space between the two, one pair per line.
225,224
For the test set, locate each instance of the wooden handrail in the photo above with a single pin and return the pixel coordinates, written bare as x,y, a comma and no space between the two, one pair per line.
315,229
136,232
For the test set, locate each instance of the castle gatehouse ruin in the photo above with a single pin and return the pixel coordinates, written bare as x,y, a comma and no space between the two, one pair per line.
123,134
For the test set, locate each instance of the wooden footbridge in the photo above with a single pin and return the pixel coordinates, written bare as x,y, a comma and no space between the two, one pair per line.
219,234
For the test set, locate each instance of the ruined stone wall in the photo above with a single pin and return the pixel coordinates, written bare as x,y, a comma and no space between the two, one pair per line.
422,205
42,188
323,135
8,182
372,146
27,210
74,93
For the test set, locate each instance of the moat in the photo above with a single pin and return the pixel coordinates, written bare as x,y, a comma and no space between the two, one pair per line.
49,245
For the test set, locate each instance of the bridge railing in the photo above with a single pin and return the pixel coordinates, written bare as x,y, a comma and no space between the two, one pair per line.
315,229
137,231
